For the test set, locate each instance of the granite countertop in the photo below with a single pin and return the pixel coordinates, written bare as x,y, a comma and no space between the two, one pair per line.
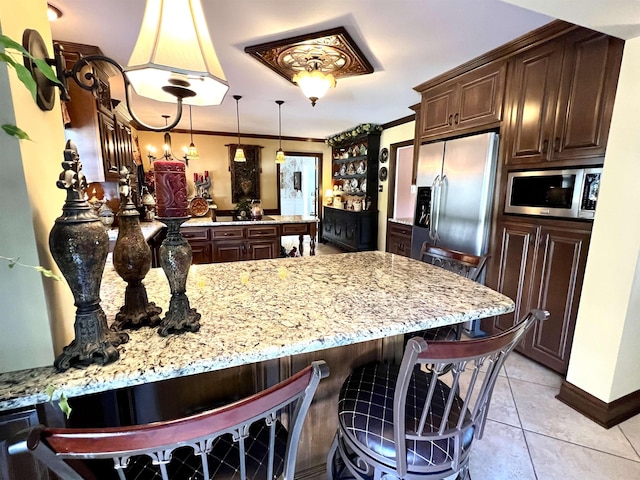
286,307
403,221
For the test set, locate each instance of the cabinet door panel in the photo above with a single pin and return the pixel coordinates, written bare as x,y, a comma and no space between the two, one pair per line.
534,87
558,281
202,253
263,249
589,77
515,262
228,251
108,143
438,108
481,94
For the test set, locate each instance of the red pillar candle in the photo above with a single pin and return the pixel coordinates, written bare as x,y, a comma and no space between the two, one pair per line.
171,189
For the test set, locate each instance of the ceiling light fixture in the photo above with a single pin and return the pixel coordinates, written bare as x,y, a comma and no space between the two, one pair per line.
53,13
280,158
191,152
239,155
314,61
173,61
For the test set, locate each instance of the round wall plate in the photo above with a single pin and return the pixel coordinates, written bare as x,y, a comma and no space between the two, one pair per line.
384,155
383,174
33,42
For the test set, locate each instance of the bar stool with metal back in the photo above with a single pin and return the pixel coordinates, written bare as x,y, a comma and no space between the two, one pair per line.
464,264
242,440
404,422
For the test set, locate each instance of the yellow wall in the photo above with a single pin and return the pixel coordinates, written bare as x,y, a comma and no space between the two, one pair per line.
34,310
214,157
390,136
605,355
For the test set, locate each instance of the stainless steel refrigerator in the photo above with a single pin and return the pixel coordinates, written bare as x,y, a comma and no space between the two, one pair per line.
460,174
455,181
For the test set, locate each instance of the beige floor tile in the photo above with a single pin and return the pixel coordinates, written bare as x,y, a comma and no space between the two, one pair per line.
540,412
501,454
520,367
631,429
557,460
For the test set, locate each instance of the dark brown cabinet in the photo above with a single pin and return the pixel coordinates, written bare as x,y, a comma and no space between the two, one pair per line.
353,231
103,137
562,96
399,238
542,266
473,99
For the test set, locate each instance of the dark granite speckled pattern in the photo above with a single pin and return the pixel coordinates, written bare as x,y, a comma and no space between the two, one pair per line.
259,310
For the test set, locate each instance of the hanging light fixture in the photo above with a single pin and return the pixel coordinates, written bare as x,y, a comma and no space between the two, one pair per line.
173,61
191,152
239,156
280,158
313,82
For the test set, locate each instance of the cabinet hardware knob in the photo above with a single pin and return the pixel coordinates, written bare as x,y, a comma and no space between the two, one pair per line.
545,146
450,119
556,144
456,119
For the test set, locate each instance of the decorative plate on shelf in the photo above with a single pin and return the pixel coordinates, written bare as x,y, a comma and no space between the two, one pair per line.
383,174
343,170
363,185
362,168
351,169
354,184
199,207
384,155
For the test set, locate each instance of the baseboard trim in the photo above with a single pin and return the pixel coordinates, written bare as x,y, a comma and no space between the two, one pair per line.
606,414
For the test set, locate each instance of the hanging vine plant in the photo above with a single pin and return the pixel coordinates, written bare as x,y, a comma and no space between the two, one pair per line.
361,129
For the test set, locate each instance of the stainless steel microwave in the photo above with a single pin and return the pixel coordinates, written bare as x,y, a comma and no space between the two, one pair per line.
569,193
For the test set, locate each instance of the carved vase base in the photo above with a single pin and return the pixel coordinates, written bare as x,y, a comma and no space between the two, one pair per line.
94,342
137,311
180,317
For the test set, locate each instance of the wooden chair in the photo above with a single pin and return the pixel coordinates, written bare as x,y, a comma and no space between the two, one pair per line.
464,264
243,440
410,423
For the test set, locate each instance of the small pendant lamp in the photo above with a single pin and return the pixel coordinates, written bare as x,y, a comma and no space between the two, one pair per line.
239,156
192,151
280,158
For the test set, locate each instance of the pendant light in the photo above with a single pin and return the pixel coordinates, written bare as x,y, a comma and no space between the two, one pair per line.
279,153
192,151
239,156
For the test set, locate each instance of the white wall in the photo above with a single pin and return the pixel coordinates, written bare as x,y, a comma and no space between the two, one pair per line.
37,314
605,359
392,135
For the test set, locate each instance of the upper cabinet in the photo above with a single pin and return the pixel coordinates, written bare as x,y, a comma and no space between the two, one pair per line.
473,99
103,137
561,99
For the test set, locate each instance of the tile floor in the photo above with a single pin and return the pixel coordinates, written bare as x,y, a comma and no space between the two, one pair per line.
530,435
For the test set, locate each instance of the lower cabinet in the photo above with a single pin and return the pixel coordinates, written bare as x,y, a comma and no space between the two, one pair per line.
399,238
351,230
232,244
541,266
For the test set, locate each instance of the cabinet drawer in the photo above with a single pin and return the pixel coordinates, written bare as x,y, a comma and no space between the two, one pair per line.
196,233
292,229
399,229
262,231
228,232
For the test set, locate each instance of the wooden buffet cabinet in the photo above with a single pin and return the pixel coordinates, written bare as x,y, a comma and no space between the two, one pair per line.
550,95
399,238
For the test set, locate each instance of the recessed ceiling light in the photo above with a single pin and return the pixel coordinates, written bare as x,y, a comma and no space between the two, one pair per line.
53,13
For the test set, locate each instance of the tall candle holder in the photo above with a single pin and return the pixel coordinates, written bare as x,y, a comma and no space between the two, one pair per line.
132,261
79,245
175,260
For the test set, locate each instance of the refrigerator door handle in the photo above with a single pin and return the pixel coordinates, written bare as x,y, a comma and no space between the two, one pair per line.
433,210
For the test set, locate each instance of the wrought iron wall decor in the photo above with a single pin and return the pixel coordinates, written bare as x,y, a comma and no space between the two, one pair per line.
245,176
297,180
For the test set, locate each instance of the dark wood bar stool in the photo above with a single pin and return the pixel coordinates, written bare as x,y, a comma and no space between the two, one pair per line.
410,422
243,440
461,263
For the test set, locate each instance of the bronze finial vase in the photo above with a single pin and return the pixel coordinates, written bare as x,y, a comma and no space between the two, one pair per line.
132,261
79,245
175,260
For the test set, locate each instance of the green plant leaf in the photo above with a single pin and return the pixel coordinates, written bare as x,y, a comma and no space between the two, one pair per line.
46,70
15,132
24,75
47,273
50,390
63,403
7,42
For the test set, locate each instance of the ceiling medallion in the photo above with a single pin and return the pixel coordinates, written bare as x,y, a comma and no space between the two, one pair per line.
330,51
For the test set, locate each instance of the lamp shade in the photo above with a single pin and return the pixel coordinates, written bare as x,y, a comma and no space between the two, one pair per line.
280,158
174,46
314,84
192,152
239,156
